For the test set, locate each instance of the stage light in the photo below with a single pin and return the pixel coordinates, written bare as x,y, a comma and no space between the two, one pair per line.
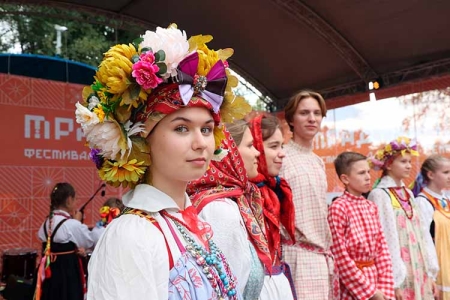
374,85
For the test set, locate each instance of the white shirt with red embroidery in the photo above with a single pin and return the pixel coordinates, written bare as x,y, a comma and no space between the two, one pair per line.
358,238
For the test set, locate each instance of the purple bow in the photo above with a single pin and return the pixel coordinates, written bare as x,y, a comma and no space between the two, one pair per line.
210,87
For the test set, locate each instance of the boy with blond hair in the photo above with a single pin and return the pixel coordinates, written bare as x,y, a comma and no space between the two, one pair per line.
359,247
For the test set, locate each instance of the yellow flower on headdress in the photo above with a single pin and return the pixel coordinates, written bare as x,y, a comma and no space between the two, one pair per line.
404,139
198,41
206,59
234,108
388,148
131,98
103,97
125,172
219,136
100,113
115,69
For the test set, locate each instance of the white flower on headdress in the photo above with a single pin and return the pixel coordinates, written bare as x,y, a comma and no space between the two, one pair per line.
108,137
172,41
93,102
85,117
132,130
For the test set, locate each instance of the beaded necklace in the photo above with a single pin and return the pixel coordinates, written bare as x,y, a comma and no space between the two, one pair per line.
405,202
212,262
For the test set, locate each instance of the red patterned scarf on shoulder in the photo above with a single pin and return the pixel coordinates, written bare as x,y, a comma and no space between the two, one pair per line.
228,179
276,193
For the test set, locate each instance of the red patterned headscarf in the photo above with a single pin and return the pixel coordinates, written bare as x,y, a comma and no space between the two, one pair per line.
228,179
276,193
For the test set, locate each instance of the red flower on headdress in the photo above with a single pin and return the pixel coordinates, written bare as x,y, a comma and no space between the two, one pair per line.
145,71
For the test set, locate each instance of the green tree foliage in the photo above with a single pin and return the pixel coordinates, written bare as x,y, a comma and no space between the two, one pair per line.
32,29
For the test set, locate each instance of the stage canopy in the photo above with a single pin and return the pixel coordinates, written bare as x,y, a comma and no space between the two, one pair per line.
281,46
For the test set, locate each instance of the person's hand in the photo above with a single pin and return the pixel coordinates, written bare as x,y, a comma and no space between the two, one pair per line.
81,252
435,290
78,215
378,296
398,294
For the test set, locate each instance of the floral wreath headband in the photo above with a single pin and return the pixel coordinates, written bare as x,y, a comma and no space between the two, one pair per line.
401,145
136,85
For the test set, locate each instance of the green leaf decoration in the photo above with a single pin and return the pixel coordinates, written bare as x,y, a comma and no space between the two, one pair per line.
137,42
97,86
145,49
160,55
134,91
162,68
135,58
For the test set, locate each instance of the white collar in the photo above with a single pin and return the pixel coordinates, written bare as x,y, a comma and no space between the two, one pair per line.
62,212
387,182
434,194
149,198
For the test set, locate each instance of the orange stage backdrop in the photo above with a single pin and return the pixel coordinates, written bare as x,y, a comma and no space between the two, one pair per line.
41,145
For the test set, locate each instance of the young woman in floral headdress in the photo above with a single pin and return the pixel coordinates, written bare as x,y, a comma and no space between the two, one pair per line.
279,211
400,220
433,179
152,118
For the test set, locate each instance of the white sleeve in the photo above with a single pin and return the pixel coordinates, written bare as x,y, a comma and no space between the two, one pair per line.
389,224
96,233
79,233
426,212
130,261
230,235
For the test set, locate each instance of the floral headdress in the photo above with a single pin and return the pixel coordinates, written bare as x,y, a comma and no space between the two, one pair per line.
137,84
401,145
107,214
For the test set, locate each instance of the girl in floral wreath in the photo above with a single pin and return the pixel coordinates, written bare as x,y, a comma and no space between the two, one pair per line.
153,120
110,210
278,206
400,220
433,179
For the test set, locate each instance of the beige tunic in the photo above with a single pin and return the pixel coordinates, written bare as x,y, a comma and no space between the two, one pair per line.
312,271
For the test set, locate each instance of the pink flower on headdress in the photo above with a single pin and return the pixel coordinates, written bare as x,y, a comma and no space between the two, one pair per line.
145,71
